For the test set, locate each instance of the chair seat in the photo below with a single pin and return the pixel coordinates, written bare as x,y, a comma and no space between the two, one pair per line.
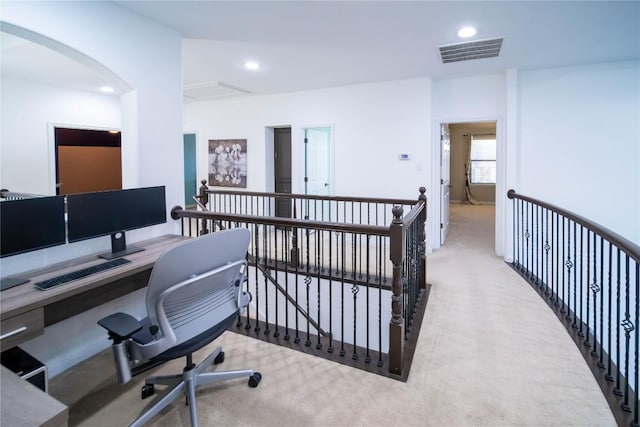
196,342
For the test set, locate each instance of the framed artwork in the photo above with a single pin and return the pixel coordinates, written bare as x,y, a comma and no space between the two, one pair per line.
228,163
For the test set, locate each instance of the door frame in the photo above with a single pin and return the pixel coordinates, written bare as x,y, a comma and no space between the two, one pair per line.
444,231
434,209
51,148
297,152
195,134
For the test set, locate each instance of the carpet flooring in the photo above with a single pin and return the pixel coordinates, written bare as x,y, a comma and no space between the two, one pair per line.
490,353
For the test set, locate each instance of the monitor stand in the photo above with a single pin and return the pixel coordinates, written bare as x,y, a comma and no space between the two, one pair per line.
119,247
10,282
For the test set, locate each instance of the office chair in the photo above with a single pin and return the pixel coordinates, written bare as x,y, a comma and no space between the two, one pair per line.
193,296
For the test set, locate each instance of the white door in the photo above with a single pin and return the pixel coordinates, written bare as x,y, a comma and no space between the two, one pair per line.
317,168
445,161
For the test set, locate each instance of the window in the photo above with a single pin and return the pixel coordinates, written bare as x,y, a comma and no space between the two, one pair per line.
483,160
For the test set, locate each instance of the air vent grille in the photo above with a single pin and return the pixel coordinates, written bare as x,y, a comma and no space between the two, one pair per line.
470,50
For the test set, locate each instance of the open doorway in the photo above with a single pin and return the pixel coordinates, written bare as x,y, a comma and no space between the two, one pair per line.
282,169
87,160
468,170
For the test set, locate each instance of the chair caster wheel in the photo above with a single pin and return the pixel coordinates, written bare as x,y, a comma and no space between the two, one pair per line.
219,358
254,379
148,390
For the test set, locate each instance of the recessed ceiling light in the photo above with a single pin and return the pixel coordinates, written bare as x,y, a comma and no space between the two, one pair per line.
251,65
106,89
466,32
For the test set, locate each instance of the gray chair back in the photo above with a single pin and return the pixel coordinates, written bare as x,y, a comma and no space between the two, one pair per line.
194,286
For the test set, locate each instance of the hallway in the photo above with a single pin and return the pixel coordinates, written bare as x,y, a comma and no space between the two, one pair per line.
490,353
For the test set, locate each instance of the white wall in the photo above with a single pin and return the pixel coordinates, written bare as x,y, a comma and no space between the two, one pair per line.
372,123
148,58
472,99
26,150
579,136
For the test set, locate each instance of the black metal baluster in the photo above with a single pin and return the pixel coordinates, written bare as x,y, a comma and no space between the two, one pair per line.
380,301
307,282
330,348
521,260
342,352
637,346
601,361
256,251
556,265
575,273
258,257
526,237
267,274
608,375
628,328
296,339
617,390
319,263
536,244
367,358
547,248
575,314
354,290
286,285
514,238
595,288
569,265
276,258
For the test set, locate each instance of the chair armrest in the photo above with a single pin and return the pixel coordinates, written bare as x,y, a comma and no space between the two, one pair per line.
120,326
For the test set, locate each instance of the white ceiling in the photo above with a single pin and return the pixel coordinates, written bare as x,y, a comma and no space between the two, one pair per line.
304,45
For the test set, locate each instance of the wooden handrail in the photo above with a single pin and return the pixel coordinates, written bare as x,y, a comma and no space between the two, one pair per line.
413,213
315,197
178,212
619,241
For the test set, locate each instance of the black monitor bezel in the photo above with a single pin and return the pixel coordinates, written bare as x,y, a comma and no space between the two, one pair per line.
55,208
73,198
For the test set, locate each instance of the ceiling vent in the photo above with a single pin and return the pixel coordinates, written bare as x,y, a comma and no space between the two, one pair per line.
467,51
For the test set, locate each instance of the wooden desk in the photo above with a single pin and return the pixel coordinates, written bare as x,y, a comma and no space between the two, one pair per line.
23,404
25,310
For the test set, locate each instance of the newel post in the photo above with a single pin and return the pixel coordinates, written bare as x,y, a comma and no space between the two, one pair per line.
396,325
422,244
203,196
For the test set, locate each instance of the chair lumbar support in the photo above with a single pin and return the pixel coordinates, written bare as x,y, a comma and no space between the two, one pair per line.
194,295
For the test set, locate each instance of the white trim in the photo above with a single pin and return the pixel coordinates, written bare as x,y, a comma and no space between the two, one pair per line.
51,146
332,151
501,165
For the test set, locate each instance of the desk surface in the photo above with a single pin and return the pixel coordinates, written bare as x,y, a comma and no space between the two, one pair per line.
23,298
22,404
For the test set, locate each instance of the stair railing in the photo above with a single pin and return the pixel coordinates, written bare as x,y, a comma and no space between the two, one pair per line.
589,276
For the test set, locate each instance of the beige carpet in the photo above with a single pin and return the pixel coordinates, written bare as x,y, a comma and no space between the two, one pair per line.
490,353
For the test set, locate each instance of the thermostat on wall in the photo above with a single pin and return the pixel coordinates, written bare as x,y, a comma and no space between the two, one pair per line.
404,156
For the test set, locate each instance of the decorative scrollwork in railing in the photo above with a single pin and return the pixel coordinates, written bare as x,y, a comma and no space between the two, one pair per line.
592,281
329,280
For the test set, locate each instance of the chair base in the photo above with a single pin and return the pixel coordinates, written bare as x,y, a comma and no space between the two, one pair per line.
192,377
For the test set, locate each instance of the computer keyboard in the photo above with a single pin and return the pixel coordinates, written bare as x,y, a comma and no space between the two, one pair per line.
79,274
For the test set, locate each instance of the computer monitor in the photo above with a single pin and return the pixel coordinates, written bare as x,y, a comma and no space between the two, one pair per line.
30,224
112,213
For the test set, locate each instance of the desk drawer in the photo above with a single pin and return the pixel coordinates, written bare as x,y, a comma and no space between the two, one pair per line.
20,328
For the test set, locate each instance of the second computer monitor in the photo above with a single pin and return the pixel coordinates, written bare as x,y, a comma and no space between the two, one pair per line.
114,212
